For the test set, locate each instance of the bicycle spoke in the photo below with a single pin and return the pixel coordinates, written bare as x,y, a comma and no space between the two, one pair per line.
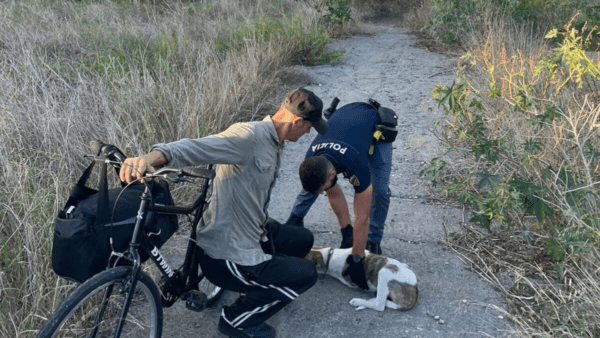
93,311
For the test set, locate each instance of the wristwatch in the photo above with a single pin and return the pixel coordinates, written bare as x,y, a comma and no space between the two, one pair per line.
356,258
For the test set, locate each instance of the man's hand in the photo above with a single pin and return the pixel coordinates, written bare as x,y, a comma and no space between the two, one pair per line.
133,169
356,270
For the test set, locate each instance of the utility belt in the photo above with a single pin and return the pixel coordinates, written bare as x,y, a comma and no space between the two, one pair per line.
385,131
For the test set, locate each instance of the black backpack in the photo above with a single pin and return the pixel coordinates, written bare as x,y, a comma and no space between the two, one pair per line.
94,223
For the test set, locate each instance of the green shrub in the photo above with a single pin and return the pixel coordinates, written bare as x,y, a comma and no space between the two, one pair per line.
338,11
452,19
535,162
309,44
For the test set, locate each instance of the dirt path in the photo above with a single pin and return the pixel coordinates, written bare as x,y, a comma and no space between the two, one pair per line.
384,66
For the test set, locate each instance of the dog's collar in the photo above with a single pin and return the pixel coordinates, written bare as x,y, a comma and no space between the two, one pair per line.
328,260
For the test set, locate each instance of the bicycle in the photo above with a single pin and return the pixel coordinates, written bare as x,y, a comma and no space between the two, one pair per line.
124,300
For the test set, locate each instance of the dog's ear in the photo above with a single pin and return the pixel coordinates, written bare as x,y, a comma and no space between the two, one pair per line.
317,258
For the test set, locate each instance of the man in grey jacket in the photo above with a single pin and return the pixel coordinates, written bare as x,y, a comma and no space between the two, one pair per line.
235,233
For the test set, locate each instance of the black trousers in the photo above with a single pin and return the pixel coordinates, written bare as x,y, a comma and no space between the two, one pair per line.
268,286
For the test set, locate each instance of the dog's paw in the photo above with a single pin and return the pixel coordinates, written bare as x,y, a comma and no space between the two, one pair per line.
358,303
363,303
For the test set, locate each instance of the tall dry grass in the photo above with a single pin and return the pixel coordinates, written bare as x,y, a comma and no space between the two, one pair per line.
501,69
418,15
128,73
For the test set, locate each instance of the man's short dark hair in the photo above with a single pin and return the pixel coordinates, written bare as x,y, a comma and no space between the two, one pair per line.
313,173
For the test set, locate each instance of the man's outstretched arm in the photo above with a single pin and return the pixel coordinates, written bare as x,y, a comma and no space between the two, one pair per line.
356,268
338,204
362,208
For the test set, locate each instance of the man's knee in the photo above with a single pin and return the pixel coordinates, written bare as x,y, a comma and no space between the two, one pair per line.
313,276
306,242
300,240
303,274
381,190
310,277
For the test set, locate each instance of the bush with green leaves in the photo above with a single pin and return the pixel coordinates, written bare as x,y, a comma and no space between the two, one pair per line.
532,138
309,43
335,11
452,19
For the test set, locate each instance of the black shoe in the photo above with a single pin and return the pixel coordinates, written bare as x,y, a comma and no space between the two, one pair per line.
374,247
259,331
295,220
347,237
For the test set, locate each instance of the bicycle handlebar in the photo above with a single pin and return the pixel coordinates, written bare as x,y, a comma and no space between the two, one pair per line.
182,172
106,153
190,171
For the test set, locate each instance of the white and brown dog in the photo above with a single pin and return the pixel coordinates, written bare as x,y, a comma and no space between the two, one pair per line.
394,282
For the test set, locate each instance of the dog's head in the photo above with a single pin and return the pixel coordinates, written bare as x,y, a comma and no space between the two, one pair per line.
318,255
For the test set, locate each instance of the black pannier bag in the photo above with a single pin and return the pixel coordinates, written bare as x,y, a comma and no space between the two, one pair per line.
83,229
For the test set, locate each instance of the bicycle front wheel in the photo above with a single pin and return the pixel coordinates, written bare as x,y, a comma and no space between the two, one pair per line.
94,308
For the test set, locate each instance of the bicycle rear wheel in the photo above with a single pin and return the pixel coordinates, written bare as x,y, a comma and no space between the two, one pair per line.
82,315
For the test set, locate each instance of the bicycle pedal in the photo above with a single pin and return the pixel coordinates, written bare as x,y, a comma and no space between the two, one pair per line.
195,300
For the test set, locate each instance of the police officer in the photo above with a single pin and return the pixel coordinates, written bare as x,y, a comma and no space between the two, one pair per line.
358,145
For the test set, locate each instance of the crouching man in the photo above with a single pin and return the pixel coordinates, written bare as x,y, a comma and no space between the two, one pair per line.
244,251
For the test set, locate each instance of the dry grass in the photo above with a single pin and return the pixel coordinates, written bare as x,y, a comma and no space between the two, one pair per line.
539,304
418,15
129,74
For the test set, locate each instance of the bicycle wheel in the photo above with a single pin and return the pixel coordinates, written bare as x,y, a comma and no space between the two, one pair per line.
81,314
212,292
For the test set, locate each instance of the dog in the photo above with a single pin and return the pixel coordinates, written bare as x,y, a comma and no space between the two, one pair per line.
394,282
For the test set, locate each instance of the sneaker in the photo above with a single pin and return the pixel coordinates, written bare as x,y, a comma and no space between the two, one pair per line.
259,331
374,247
346,237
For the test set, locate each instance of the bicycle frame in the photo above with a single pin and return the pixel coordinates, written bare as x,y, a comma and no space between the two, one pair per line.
189,269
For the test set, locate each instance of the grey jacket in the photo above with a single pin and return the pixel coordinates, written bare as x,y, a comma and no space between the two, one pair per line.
248,157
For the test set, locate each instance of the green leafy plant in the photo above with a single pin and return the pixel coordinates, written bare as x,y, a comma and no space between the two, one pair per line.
514,179
453,18
310,44
336,11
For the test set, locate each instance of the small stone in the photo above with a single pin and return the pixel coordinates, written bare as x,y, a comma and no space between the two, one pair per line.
436,317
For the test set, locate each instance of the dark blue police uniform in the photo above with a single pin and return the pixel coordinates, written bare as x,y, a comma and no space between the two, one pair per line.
346,145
